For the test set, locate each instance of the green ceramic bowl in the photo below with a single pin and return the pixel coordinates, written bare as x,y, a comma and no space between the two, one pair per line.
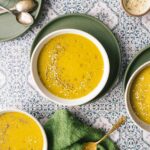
97,29
142,57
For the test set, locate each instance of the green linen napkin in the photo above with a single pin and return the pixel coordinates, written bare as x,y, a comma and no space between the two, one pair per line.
65,132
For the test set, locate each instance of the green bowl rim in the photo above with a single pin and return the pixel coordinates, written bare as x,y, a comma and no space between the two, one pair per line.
130,64
96,20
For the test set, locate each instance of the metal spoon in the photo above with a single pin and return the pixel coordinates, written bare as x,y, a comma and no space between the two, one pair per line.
22,6
22,17
93,145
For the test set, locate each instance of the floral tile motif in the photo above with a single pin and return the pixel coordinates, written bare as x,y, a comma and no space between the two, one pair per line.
2,79
103,123
72,6
17,88
146,137
105,14
146,21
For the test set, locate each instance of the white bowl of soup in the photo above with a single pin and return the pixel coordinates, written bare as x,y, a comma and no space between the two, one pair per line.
137,96
19,130
70,67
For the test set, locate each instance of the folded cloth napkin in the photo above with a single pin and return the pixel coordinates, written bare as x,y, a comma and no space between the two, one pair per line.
65,132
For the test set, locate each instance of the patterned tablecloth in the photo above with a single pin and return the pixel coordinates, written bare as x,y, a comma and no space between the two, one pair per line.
17,89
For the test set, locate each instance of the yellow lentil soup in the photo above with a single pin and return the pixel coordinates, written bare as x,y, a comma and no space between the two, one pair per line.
19,132
70,66
140,95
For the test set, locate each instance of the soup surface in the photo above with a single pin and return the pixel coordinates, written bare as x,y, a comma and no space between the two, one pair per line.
70,66
19,132
140,95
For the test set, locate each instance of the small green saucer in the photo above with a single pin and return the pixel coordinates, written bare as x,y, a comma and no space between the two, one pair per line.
142,57
9,27
94,27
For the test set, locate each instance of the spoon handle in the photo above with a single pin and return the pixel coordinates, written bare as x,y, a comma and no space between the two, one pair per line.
120,122
2,11
5,9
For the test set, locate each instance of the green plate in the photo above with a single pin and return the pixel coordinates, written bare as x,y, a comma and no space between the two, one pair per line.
9,27
142,57
97,29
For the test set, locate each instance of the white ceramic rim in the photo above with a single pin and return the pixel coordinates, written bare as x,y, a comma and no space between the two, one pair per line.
141,124
45,143
43,91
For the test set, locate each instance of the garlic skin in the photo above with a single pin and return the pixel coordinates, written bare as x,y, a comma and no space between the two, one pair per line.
25,6
25,18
